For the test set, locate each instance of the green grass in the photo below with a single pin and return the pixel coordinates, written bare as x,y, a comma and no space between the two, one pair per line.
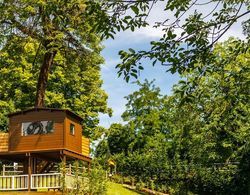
118,189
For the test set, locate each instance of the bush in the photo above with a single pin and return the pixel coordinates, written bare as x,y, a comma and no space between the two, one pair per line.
152,184
163,189
127,180
97,181
117,178
93,182
140,185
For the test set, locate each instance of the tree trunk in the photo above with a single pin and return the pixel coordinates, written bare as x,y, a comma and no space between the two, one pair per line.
43,78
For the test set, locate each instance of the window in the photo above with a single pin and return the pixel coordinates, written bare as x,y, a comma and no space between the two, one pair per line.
37,128
72,129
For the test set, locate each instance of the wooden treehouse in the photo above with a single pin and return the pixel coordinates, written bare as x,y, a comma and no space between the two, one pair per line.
38,140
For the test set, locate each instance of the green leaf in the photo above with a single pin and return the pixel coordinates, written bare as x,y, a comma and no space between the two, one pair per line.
135,9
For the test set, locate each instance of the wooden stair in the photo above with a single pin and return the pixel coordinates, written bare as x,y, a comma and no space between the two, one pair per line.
45,167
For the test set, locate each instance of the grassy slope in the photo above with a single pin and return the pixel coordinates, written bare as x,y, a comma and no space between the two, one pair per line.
118,189
113,189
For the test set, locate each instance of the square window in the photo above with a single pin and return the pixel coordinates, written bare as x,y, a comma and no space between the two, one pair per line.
72,129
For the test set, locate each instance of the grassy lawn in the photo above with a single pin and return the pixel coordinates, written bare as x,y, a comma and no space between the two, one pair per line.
118,189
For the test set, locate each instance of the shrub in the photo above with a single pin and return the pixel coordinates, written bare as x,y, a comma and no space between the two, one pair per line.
93,182
140,185
117,178
152,184
127,180
97,181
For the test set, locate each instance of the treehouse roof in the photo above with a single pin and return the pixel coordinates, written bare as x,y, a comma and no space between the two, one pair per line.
68,112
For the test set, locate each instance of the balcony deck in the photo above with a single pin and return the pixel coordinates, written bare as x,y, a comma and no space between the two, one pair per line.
4,142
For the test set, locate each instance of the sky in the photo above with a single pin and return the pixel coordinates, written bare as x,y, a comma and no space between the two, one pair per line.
117,88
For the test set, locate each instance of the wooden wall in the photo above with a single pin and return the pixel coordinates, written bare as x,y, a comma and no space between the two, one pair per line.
73,142
4,142
54,140
59,139
85,146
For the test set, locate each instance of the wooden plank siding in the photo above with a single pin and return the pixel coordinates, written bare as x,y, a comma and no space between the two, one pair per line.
60,139
73,142
4,142
54,140
85,146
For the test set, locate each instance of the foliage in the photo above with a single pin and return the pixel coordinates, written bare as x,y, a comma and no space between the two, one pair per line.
200,144
187,39
92,182
117,178
6,107
140,185
52,47
74,82
190,30
97,181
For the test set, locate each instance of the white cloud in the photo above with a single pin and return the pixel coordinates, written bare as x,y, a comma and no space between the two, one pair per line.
148,32
110,62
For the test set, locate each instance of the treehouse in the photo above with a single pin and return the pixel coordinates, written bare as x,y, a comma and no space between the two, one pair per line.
38,139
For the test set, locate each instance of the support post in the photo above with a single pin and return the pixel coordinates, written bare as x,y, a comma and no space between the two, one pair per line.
77,176
34,165
63,181
29,172
4,169
88,167
70,169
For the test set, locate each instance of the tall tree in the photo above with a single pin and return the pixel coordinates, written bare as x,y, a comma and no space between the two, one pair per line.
200,144
72,26
57,26
74,81
217,128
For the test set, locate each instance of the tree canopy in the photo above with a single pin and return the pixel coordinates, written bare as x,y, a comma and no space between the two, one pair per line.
50,46
77,27
190,30
200,145
59,27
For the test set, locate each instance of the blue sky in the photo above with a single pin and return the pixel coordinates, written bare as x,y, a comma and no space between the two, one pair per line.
116,87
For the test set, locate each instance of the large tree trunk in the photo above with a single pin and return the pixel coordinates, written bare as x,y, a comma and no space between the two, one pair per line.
43,78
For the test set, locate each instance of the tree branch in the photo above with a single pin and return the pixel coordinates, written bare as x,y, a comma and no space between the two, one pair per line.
25,30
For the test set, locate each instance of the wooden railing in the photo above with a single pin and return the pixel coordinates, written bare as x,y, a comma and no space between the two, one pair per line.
70,181
39,181
71,169
47,181
12,169
14,182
